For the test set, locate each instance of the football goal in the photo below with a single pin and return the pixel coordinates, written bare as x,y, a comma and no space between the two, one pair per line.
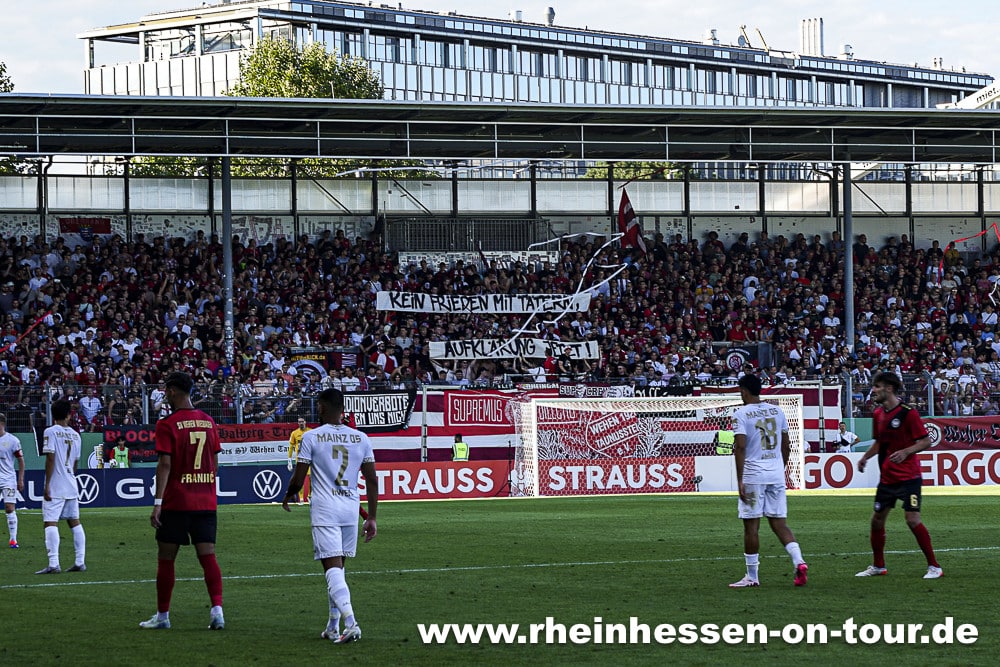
579,446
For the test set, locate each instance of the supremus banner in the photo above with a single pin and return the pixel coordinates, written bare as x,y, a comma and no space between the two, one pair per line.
484,409
413,302
515,348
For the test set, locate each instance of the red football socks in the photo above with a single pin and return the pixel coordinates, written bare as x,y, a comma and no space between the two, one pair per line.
213,578
164,584
924,540
878,547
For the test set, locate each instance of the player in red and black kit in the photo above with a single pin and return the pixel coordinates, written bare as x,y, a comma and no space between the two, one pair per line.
184,510
899,436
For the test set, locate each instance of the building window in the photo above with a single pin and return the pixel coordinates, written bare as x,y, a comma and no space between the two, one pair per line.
624,72
709,81
388,49
533,63
746,85
351,45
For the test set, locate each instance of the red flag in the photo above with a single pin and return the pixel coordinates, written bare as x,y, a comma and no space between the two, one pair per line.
26,332
628,225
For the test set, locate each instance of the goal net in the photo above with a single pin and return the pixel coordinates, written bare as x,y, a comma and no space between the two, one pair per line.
583,446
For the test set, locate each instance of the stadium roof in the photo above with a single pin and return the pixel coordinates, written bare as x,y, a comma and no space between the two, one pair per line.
41,125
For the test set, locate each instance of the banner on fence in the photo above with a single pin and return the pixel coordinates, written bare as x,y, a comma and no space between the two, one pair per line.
514,348
464,409
85,227
594,390
417,302
317,360
736,356
138,439
964,432
379,413
505,259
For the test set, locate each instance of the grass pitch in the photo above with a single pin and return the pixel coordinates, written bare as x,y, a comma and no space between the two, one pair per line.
663,559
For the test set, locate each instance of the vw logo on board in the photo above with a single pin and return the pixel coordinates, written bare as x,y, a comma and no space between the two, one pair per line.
88,488
267,484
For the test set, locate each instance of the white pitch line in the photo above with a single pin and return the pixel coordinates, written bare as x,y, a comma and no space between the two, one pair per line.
478,568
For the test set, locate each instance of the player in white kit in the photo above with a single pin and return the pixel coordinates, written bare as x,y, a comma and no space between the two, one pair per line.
10,481
336,454
761,450
61,499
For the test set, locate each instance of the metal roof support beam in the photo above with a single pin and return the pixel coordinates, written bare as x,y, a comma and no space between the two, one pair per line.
229,322
848,256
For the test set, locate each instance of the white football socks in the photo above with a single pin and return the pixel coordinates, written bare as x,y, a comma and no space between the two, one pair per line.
12,525
334,613
753,562
79,544
795,552
336,585
52,545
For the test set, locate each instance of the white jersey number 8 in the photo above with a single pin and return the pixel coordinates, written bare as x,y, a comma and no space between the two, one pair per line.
768,429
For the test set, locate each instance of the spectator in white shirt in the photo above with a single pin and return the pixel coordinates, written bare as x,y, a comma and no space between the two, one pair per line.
988,318
845,439
39,280
332,380
158,402
460,379
349,382
90,405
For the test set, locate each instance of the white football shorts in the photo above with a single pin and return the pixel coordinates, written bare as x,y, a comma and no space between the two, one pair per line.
333,541
765,500
8,494
60,508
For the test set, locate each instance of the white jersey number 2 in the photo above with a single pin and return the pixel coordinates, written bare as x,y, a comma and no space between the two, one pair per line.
344,458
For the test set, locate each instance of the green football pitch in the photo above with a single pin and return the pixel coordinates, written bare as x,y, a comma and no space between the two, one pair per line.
660,559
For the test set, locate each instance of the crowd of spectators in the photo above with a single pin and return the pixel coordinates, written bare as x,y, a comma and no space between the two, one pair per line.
103,323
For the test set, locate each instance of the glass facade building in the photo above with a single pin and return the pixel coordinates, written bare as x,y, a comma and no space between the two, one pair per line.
422,55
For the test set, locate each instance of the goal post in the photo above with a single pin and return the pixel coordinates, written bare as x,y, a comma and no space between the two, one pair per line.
585,446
